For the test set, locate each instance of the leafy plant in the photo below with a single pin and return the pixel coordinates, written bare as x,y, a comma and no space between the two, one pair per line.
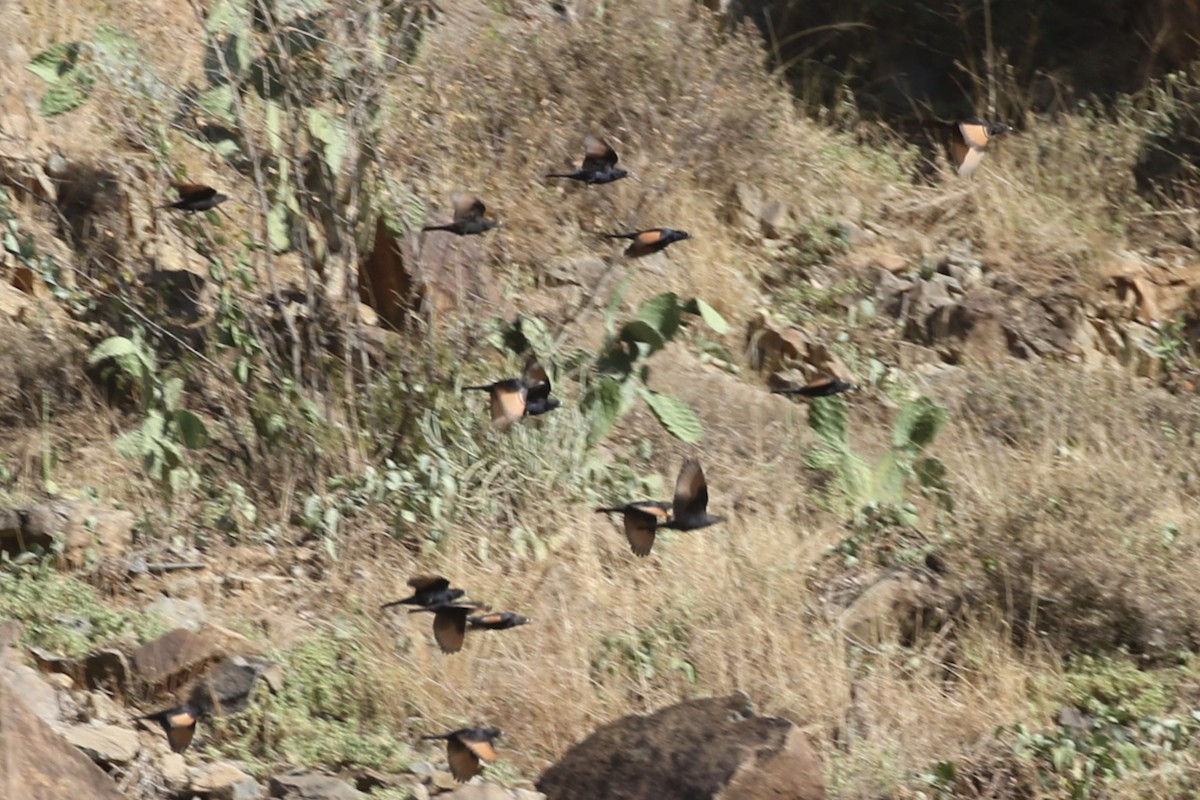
167,424
878,492
622,371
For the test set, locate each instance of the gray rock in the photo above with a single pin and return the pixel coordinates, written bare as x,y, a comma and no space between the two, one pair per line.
39,696
77,530
311,786
39,763
174,658
699,748
222,780
107,744
179,613
174,770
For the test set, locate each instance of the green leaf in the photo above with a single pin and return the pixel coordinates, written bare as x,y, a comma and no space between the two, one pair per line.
662,312
330,132
55,61
192,431
131,444
535,333
602,402
217,103
279,232
676,416
918,424
66,94
118,348
172,392
228,16
712,318
641,331
112,44
829,419
822,458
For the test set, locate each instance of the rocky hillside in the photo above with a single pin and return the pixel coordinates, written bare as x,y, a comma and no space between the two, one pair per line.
230,434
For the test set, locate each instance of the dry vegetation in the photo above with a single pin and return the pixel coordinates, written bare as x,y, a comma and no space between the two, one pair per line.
1075,494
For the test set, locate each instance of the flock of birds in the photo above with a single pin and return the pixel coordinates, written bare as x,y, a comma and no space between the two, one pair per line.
529,395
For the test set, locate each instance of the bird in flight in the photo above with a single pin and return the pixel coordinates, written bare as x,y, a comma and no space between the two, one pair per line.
821,387
428,590
514,398
969,140
651,240
195,197
687,512
599,164
469,216
466,748
179,723
450,622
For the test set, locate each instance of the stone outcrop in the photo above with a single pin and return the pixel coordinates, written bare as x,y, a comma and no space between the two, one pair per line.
708,748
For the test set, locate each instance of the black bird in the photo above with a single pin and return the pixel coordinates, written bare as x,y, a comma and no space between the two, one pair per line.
466,747
650,240
195,197
514,398
428,590
821,387
450,622
498,621
178,723
469,217
599,164
969,140
640,520
688,511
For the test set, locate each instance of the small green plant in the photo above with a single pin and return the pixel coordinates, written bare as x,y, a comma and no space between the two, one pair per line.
330,709
622,371
877,494
64,615
70,69
645,654
166,425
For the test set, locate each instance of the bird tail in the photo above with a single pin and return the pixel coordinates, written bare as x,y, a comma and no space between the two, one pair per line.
560,174
437,736
438,228
608,510
620,236
397,603
477,388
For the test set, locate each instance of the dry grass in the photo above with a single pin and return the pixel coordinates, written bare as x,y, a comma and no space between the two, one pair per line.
1065,484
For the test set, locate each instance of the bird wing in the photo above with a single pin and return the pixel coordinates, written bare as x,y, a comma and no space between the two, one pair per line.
467,206
450,628
649,237
195,191
508,404
482,748
537,383
974,134
691,491
486,620
970,162
597,154
464,764
429,583
639,530
180,736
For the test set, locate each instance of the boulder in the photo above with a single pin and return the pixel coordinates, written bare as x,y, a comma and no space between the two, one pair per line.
227,687
75,529
311,786
222,780
707,748
39,763
107,744
171,660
